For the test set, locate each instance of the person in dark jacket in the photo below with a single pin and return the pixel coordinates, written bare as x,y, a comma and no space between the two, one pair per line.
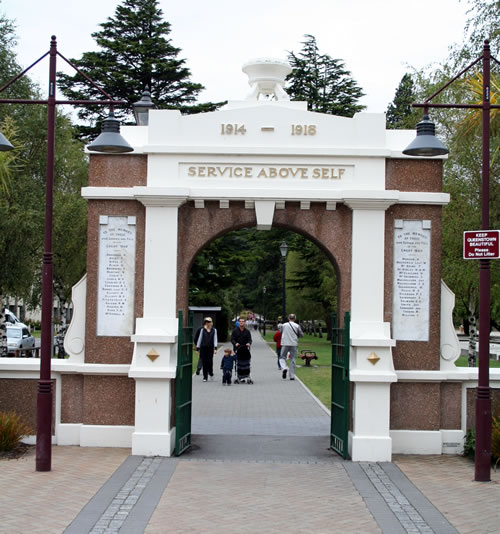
195,341
207,345
227,365
241,336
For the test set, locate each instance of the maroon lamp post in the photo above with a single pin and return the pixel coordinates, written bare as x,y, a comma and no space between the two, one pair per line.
110,141
427,145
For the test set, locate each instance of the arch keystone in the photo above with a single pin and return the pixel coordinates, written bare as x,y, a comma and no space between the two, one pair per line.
264,211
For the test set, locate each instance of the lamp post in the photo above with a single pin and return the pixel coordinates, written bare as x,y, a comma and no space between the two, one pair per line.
427,145
284,252
264,289
109,141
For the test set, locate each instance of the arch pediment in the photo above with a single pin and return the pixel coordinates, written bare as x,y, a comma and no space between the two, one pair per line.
270,127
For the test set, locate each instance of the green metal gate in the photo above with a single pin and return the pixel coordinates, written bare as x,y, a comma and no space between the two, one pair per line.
340,386
183,386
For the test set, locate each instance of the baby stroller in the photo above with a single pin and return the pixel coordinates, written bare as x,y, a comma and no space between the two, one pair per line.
243,358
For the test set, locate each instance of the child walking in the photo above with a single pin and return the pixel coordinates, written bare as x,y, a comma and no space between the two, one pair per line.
227,364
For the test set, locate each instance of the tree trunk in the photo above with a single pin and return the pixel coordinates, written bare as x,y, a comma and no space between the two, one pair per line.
472,340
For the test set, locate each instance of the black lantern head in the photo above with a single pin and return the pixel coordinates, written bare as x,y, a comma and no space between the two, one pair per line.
110,141
426,144
5,144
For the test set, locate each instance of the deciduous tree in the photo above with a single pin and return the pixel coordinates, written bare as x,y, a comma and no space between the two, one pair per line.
461,130
22,195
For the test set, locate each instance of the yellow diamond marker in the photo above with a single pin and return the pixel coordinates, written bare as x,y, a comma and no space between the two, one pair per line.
152,355
373,358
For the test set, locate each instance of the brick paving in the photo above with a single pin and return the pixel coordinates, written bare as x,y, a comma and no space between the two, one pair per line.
127,497
224,497
45,503
448,482
259,462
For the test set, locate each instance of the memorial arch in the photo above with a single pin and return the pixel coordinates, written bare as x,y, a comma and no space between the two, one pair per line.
264,162
330,230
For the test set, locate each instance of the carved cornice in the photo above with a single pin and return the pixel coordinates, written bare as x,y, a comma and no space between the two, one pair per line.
369,203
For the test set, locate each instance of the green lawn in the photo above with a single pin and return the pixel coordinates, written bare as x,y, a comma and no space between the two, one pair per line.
317,377
463,362
319,381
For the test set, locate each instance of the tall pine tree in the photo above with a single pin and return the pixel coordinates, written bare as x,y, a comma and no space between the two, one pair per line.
135,53
322,81
400,114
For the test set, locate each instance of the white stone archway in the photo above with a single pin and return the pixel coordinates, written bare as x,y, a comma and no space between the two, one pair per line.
267,154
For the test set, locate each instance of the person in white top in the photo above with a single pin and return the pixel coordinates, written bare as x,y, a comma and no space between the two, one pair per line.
207,345
290,333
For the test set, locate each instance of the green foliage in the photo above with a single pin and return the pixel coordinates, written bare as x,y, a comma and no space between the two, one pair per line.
313,279
22,213
70,243
233,270
463,180
9,68
461,132
9,160
134,53
483,23
20,218
400,114
301,298
322,81
12,430
22,190
495,440
470,443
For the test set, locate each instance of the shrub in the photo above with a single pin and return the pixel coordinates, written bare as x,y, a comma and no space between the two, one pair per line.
470,441
12,430
495,440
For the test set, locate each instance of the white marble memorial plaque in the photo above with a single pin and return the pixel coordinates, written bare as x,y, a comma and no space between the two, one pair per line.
412,245
116,283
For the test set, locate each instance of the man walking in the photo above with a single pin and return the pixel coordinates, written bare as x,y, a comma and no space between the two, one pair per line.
240,336
290,333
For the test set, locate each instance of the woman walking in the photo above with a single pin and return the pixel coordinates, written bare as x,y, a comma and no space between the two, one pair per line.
207,345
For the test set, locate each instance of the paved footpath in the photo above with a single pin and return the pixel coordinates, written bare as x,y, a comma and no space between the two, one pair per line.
259,463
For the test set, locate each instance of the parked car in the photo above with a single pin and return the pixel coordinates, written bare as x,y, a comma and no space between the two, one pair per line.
19,337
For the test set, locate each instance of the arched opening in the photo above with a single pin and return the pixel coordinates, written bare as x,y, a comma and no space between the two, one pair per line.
229,270
330,231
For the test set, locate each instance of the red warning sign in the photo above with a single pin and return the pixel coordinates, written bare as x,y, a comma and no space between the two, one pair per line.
481,245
